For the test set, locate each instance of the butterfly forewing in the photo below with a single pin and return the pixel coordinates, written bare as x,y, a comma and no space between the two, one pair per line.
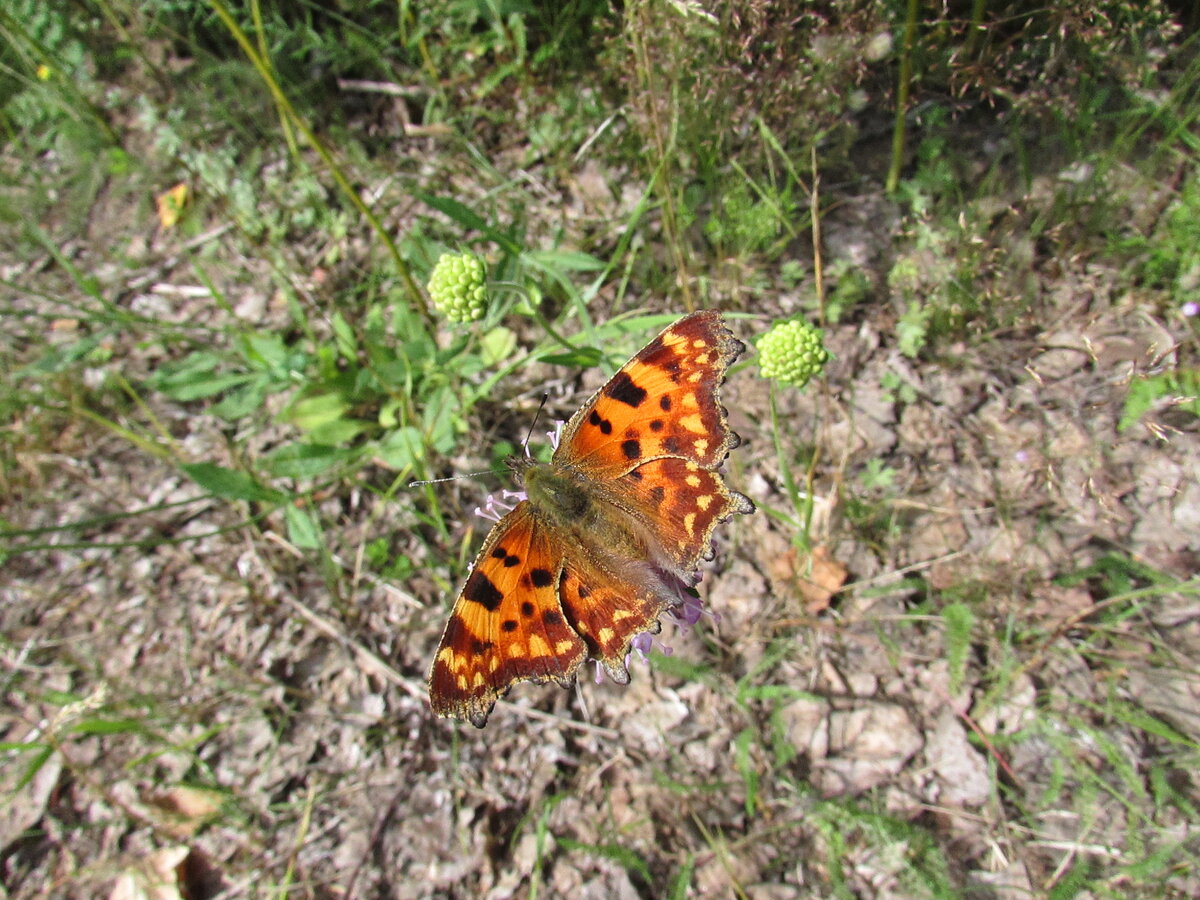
507,624
663,402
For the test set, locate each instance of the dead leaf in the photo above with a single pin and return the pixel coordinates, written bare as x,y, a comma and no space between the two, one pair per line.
170,205
815,577
186,808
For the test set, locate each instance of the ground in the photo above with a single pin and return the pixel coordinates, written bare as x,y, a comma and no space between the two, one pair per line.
976,674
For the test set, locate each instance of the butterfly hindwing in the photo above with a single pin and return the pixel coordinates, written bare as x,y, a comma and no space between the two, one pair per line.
685,504
507,624
608,612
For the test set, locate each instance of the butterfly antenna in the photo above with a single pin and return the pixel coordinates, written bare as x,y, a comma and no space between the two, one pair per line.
529,434
413,484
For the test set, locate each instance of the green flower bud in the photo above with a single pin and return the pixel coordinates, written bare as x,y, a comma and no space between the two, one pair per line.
792,352
458,287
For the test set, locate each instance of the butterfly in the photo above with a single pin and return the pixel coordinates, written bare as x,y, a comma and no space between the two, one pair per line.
610,533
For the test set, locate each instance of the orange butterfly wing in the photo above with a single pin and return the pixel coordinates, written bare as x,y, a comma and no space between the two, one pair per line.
507,624
663,402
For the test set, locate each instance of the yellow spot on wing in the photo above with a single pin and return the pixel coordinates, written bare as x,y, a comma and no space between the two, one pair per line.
691,401
563,646
620,615
605,635
701,446
538,646
692,481
692,467
701,359
704,501
689,523
699,343
461,681
515,650
693,423
695,376
478,682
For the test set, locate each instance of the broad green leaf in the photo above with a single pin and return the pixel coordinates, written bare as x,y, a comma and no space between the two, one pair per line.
229,483
310,413
497,346
302,528
239,403
305,460
339,433
401,449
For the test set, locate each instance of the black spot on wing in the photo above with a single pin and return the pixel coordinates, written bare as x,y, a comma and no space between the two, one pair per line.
596,421
508,625
509,559
623,390
479,589
541,578
664,402
670,444
657,493
551,617
632,449
481,647
527,609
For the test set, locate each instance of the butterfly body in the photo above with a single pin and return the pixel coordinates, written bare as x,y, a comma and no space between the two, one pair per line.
611,532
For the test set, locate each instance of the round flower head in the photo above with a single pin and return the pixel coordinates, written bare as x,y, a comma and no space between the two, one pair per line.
792,352
458,287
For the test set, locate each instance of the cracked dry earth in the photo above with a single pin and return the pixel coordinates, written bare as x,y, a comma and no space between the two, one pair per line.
276,720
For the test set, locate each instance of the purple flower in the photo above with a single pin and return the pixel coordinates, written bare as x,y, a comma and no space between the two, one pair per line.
1191,308
494,509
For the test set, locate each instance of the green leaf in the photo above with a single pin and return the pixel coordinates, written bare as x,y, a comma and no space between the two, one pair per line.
959,620
745,765
1139,718
1144,392
229,483
195,377
310,413
471,220
302,528
267,351
402,448
39,758
343,335
565,260
339,433
678,889
239,403
305,460
108,726
581,358
497,346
